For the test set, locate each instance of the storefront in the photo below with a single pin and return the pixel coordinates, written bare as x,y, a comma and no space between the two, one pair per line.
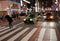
7,6
15,8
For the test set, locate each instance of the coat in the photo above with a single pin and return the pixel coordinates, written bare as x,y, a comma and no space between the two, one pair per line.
9,19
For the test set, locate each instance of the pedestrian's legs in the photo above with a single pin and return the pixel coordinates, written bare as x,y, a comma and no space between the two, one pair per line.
10,25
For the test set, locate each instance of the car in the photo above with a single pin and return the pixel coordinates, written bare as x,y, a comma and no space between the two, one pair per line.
30,19
49,16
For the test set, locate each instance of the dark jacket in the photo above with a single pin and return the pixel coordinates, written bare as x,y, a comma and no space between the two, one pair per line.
9,19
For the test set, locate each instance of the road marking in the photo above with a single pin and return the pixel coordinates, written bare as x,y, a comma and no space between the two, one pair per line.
4,28
10,33
41,34
7,30
17,35
26,38
10,29
53,36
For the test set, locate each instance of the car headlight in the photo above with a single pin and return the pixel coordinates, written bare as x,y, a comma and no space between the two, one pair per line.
44,17
24,19
31,19
51,17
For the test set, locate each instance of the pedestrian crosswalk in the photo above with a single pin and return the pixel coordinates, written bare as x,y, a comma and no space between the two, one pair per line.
4,27
22,33
29,35
17,33
41,34
48,32
7,30
9,34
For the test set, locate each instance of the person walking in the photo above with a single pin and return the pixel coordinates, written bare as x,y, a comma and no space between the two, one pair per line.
9,19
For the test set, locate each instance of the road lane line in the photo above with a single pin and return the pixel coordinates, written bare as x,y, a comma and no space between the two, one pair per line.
17,35
26,38
41,34
53,36
10,33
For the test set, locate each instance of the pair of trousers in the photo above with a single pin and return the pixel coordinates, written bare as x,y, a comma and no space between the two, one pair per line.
10,25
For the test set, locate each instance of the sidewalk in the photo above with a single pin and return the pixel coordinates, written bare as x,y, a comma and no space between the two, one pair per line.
16,20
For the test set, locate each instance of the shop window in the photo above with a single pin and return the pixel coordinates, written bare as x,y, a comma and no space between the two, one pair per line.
15,6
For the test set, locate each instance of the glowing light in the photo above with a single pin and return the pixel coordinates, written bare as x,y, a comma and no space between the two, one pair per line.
26,1
30,19
24,19
21,3
56,9
56,2
51,17
44,17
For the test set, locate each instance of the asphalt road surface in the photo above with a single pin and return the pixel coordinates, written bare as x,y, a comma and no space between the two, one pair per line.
27,32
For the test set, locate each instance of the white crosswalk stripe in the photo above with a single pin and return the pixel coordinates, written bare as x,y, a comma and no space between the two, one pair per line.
29,35
17,35
41,34
4,28
7,30
53,36
10,33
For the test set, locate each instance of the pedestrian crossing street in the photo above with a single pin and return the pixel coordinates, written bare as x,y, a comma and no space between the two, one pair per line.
16,33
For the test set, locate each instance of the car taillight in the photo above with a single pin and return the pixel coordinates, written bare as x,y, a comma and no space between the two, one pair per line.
51,17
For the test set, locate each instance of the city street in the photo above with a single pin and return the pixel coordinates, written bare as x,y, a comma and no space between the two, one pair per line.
42,31
29,20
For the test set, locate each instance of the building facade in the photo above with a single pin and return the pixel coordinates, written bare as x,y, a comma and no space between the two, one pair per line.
9,7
